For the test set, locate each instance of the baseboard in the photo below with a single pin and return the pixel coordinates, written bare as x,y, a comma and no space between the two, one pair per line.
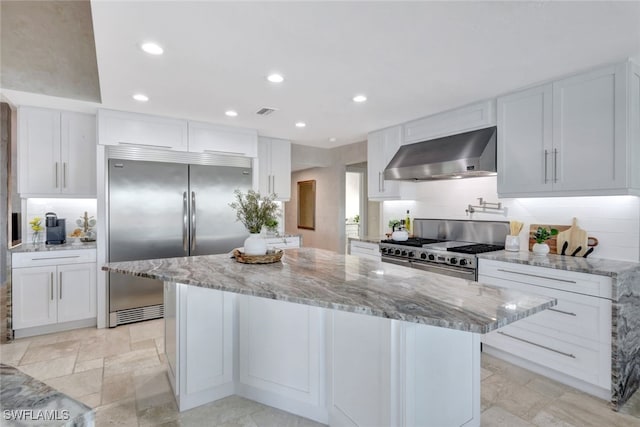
57,327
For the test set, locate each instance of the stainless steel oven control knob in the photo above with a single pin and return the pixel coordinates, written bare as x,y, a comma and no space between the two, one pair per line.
411,254
423,256
383,250
432,257
453,261
463,262
397,252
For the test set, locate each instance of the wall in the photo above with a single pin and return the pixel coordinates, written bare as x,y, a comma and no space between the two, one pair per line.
70,209
613,220
329,232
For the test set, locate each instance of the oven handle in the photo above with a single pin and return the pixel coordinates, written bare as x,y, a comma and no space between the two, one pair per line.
397,261
427,267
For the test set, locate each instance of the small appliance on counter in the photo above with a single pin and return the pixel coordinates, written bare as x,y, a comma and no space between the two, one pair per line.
56,229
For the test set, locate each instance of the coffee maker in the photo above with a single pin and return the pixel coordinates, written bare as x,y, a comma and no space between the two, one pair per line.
56,229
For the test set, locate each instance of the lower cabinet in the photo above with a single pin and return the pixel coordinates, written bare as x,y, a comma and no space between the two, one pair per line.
284,242
570,342
50,298
364,249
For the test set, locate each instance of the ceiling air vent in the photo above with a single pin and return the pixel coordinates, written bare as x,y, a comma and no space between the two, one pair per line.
265,111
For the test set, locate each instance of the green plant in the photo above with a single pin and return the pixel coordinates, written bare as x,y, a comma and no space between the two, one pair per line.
393,223
254,210
356,219
271,224
543,234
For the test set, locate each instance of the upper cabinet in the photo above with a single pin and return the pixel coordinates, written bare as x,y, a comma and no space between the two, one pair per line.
56,153
382,145
122,128
475,116
571,137
210,138
274,167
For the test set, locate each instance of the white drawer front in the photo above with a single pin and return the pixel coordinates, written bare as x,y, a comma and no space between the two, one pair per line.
364,248
587,284
37,259
283,242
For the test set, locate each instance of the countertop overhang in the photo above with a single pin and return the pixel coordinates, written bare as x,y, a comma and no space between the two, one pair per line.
327,279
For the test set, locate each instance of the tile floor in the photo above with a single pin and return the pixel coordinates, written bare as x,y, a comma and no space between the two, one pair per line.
121,373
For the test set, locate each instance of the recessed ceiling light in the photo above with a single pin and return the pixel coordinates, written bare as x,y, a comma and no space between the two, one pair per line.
359,98
300,124
275,78
152,48
140,97
231,113
332,139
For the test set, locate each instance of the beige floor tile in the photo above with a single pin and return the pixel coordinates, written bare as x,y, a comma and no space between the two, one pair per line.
220,412
12,352
245,421
497,387
121,413
87,365
584,410
498,417
275,417
141,345
547,387
546,419
50,352
114,343
160,345
146,330
632,407
50,368
131,361
118,387
91,400
80,384
485,373
158,415
152,388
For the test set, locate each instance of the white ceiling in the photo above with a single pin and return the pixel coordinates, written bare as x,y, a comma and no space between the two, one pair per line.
411,59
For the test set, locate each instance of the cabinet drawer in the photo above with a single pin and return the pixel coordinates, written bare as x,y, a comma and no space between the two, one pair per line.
587,284
283,242
37,259
358,247
585,363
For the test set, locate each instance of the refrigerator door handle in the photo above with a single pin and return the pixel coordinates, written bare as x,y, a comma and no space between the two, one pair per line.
193,221
185,222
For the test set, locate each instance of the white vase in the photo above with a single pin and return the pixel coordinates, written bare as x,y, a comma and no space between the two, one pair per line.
255,245
540,248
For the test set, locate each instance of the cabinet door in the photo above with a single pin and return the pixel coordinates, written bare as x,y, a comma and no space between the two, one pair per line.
264,165
34,294
590,130
122,128
210,138
381,147
39,151
76,292
281,168
78,154
525,141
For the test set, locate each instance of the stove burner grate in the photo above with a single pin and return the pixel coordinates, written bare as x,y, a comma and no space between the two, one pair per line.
477,248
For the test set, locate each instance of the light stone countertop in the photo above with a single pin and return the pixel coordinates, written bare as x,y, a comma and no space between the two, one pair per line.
327,279
28,247
601,267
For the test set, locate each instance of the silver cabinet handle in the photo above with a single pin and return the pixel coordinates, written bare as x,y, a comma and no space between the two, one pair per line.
56,174
193,221
60,285
568,313
185,222
273,183
55,257
51,286
380,185
64,174
537,345
536,275
555,165
546,154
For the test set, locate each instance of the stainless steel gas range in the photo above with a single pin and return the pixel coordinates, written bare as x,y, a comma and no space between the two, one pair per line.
446,246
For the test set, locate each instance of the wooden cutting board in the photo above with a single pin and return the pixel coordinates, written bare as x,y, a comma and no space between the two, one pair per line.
564,234
577,239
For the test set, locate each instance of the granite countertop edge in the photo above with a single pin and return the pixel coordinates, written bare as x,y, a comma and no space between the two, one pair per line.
28,247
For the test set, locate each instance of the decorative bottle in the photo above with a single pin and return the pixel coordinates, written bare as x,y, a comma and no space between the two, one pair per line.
407,223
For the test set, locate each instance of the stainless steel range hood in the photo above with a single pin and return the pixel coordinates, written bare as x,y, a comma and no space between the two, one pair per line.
463,155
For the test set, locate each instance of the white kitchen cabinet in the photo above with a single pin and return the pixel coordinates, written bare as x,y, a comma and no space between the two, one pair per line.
53,291
57,153
570,342
218,139
568,137
274,167
382,145
470,117
281,348
287,242
135,129
364,249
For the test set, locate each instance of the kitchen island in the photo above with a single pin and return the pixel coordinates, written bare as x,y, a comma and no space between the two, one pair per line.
336,338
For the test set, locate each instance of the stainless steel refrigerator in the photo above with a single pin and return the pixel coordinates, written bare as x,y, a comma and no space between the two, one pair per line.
162,210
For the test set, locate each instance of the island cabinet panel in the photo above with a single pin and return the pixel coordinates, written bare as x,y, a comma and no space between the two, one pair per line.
570,342
281,347
199,345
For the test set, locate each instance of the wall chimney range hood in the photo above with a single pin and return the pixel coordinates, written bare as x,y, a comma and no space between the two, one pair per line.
464,155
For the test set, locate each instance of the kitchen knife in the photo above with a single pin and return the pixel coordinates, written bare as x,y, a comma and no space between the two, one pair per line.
578,249
565,245
587,253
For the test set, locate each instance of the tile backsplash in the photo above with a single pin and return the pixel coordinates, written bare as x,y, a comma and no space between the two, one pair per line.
70,209
613,220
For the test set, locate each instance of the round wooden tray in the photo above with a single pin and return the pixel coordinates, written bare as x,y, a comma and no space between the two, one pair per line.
258,259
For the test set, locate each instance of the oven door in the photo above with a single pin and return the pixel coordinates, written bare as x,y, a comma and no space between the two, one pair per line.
449,270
